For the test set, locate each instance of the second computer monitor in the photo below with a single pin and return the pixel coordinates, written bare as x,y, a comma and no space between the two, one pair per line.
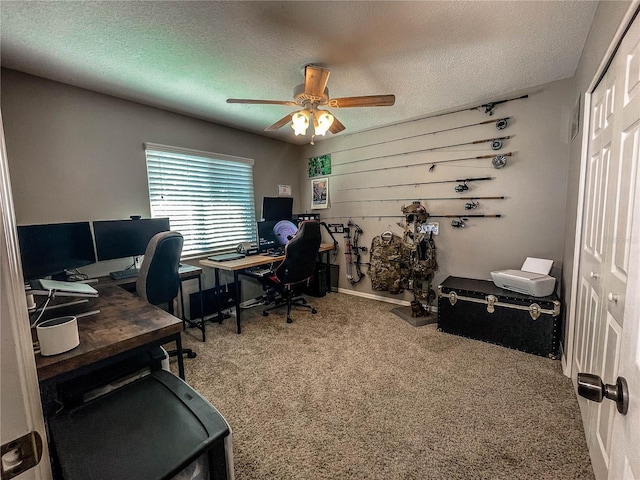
126,238
50,249
274,235
277,208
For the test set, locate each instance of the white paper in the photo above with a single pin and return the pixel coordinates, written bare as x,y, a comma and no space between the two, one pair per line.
537,265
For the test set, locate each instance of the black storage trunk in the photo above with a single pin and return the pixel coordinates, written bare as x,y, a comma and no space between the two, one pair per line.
480,310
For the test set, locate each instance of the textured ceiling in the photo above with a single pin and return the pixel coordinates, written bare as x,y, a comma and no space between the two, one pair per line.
189,57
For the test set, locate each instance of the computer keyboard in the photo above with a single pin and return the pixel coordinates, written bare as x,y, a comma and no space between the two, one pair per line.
262,272
123,274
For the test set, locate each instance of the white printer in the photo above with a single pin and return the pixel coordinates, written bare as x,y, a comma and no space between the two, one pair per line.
532,279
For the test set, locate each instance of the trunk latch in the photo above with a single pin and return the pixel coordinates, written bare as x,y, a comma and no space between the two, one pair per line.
491,300
453,297
534,310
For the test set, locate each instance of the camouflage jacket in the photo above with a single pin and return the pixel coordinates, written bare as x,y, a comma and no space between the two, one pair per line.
385,260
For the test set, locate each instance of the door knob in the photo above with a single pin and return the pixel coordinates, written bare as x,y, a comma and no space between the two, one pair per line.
594,275
613,297
592,388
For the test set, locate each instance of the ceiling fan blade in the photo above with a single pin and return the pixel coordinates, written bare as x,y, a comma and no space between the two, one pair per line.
336,126
315,80
366,101
280,123
262,102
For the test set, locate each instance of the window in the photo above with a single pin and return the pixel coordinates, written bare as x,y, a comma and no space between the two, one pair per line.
208,197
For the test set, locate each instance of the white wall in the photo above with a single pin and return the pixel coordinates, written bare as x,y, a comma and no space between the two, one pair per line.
533,182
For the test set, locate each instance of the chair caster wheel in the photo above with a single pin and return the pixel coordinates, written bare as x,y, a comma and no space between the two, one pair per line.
265,313
289,320
314,311
192,355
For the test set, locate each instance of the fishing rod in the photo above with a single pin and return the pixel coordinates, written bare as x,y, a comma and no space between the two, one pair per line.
498,161
361,216
463,181
407,199
460,222
476,215
501,124
496,144
485,108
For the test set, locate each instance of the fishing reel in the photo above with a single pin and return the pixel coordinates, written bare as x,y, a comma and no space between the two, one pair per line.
499,161
502,124
496,144
471,205
488,108
463,187
459,223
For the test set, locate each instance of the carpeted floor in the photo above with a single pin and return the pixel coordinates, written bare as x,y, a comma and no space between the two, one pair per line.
355,392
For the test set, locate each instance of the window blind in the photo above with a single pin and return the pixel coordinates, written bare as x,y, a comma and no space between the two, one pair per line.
208,197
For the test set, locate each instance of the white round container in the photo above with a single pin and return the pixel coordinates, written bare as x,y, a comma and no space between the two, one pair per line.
58,335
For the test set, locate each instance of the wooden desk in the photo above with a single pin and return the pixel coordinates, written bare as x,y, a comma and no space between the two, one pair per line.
186,272
237,266
126,322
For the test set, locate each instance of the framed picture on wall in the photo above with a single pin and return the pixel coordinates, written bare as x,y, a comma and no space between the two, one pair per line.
320,193
320,165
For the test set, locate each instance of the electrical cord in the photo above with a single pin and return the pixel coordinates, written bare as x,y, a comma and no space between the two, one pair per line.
44,307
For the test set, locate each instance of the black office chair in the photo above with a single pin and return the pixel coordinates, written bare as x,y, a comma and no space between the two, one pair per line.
158,280
296,269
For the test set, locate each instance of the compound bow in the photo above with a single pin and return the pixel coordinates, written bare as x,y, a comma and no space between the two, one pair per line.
351,250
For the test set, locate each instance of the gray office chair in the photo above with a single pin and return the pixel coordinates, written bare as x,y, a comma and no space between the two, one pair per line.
296,269
158,279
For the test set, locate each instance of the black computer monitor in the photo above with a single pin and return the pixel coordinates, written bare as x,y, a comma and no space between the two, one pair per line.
50,249
126,238
275,235
277,208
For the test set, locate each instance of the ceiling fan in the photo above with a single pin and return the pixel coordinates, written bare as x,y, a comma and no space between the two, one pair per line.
311,95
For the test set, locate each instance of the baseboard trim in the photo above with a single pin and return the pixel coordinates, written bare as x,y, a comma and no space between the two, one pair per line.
380,298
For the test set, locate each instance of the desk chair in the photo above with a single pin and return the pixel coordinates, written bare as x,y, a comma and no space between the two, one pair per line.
158,280
298,267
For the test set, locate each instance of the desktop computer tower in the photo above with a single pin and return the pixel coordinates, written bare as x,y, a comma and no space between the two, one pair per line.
318,284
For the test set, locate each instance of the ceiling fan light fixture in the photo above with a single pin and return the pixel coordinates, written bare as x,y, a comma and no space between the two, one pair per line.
300,122
322,121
